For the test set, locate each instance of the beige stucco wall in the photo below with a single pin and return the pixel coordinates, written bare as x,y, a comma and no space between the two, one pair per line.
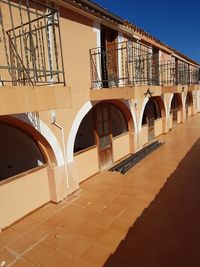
144,135
179,117
189,111
170,121
86,164
121,147
158,127
22,195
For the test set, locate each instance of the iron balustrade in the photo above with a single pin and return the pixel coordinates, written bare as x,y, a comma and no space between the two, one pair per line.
130,64
31,44
123,64
178,73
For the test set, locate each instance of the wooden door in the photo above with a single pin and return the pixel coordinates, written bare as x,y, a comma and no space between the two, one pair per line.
109,57
104,137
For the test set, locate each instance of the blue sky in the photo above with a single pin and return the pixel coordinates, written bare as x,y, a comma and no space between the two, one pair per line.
175,22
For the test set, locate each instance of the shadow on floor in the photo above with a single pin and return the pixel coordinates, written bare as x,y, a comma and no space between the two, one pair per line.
167,234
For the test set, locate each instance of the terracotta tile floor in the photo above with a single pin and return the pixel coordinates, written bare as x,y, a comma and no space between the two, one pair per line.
149,217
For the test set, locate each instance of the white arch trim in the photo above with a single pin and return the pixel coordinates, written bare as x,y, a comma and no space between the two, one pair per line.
133,113
72,135
169,107
141,113
50,137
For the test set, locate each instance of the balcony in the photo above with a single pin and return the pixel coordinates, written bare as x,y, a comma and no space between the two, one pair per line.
30,41
125,65
121,65
31,58
178,77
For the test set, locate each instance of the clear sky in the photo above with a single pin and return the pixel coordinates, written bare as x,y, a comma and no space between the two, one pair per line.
175,22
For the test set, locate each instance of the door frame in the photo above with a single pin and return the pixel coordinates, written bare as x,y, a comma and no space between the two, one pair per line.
101,166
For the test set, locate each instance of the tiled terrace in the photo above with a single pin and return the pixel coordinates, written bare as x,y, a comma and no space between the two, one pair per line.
149,217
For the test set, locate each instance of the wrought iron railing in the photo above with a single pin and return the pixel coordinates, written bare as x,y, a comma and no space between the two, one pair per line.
130,64
31,44
175,73
123,64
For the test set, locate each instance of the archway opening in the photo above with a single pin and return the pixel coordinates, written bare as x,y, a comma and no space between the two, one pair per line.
175,109
19,152
152,113
188,105
105,123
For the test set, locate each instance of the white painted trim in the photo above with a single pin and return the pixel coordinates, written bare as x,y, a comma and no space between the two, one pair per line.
184,96
169,106
50,137
141,113
72,135
134,116
165,106
97,30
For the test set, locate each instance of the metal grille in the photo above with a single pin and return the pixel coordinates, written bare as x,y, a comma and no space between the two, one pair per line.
174,73
123,64
131,64
30,39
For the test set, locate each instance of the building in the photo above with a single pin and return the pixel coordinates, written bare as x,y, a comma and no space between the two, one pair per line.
81,89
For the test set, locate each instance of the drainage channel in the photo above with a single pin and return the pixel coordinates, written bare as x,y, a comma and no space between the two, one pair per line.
129,162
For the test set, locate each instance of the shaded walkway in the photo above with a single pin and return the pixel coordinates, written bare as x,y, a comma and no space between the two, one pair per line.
148,217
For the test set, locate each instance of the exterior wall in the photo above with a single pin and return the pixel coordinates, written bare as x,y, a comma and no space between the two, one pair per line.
21,195
31,99
189,111
121,147
179,117
170,121
86,164
158,127
78,37
79,34
144,135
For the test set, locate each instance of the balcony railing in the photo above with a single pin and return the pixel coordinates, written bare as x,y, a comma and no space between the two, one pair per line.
127,64
175,73
30,43
123,64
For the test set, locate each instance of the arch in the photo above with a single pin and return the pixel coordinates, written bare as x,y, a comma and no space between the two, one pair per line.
72,134
82,113
176,109
45,138
162,106
19,152
179,100
126,112
189,103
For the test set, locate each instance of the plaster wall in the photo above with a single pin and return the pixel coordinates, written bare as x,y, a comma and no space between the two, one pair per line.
86,164
121,147
158,127
22,194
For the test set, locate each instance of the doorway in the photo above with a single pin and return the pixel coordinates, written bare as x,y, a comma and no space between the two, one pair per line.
109,57
188,105
151,113
104,135
175,107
